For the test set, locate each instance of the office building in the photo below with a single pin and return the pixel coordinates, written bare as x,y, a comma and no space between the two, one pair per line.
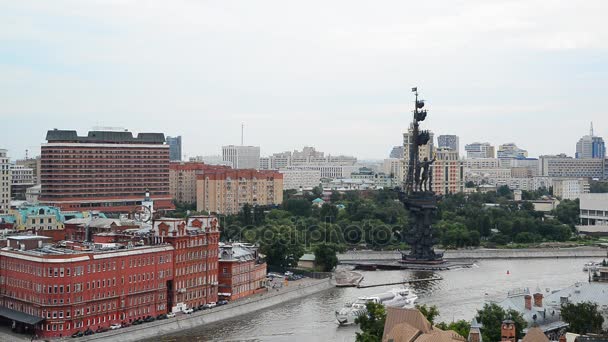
22,178
481,163
590,146
225,191
175,148
448,141
511,151
447,172
479,150
594,209
242,157
570,188
568,167
5,182
32,163
300,179
105,170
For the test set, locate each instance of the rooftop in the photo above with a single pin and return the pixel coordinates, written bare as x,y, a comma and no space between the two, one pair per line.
104,137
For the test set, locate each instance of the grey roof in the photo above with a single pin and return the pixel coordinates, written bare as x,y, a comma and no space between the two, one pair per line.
545,316
595,292
20,316
104,137
236,252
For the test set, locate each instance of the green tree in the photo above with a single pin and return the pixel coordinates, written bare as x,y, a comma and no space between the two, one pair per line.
504,191
462,327
469,184
281,245
430,312
298,206
567,212
583,317
246,215
598,187
325,256
492,316
371,324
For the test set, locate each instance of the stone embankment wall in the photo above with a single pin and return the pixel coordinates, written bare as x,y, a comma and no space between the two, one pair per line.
184,322
482,253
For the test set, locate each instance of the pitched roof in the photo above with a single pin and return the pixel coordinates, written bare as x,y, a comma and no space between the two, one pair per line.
409,325
535,334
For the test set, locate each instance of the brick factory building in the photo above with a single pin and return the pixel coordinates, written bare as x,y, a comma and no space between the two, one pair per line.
225,191
241,272
105,170
56,290
182,179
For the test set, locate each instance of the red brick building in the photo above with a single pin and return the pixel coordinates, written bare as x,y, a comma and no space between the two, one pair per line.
241,274
58,291
182,179
105,170
195,260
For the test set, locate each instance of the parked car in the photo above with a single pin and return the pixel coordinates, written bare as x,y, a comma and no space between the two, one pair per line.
170,315
161,316
125,324
209,306
222,302
77,334
149,319
88,332
115,326
101,330
202,307
187,311
137,322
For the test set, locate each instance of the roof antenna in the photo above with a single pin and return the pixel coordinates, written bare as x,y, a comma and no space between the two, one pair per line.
591,128
243,128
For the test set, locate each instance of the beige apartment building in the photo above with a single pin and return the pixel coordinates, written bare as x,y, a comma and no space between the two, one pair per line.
225,191
182,179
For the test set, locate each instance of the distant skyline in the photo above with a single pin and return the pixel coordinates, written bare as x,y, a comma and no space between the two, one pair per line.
336,76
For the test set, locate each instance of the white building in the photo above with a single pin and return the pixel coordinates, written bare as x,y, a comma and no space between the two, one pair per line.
569,188
242,157
394,167
327,171
479,150
211,160
510,151
300,179
5,182
21,178
564,166
481,163
594,209
449,141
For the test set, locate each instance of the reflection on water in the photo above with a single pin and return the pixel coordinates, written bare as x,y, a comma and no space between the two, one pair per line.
457,296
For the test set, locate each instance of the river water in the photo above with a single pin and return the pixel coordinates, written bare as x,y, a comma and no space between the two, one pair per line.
458,295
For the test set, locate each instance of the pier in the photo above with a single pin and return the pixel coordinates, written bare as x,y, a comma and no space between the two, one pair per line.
413,281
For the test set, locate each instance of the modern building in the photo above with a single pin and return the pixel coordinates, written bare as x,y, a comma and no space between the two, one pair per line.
590,146
449,141
22,178
175,148
397,152
479,150
394,168
242,157
182,180
105,170
511,151
570,188
379,180
34,164
594,209
300,179
210,160
447,172
5,182
225,191
481,163
327,171
242,272
564,166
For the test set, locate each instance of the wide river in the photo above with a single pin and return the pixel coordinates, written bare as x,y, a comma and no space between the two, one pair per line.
458,296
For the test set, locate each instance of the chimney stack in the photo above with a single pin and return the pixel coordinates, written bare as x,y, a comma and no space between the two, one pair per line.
528,302
538,299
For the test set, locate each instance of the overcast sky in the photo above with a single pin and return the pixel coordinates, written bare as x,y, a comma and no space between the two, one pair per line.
333,74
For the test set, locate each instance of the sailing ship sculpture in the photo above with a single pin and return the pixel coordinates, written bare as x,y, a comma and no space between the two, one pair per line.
417,194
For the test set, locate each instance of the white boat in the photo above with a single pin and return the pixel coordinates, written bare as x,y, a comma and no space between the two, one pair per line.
401,298
592,266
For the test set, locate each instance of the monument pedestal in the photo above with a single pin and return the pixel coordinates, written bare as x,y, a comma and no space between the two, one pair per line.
422,207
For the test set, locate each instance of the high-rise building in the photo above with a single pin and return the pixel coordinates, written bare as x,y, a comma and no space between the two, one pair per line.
448,141
225,191
511,151
108,171
447,172
397,152
21,178
175,148
5,182
479,150
242,157
394,168
182,180
590,146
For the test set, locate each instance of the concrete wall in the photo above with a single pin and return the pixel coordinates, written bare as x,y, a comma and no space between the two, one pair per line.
482,253
185,322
